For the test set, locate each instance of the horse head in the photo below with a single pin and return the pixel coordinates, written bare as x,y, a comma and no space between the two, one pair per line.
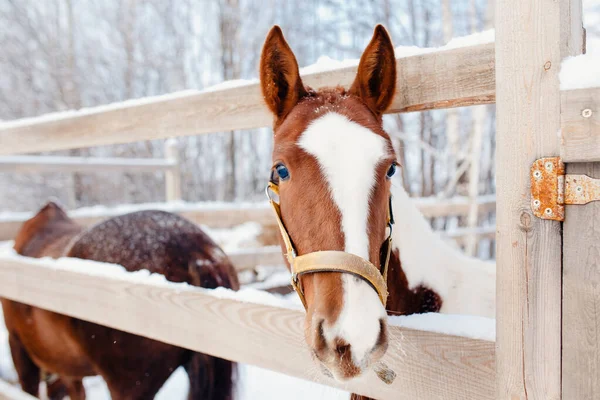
332,164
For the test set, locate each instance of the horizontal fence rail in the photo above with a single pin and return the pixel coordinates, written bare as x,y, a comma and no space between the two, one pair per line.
440,79
427,364
231,215
26,164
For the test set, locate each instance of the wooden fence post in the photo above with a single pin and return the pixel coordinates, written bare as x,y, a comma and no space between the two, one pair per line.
173,175
532,37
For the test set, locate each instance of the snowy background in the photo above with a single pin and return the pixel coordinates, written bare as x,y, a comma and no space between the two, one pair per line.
67,54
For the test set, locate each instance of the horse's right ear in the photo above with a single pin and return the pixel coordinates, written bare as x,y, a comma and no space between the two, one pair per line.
280,80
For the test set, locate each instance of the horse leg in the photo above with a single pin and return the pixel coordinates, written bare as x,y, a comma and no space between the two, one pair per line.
29,373
75,388
56,390
211,378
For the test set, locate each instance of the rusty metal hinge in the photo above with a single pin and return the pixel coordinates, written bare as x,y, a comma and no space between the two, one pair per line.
552,188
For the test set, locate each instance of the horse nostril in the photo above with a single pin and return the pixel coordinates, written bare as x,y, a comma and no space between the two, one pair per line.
382,338
341,347
320,342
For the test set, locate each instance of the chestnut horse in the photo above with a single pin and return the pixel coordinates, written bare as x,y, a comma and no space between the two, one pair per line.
333,166
132,366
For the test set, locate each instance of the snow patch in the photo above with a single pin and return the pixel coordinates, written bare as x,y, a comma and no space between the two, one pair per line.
234,83
469,326
239,237
325,63
582,71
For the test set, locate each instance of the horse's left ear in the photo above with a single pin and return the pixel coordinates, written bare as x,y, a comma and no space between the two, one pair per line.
280,81
375,81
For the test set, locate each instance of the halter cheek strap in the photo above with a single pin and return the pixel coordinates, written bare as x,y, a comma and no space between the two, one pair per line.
333,261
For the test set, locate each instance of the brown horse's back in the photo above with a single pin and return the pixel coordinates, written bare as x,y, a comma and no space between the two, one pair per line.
133,367
160,242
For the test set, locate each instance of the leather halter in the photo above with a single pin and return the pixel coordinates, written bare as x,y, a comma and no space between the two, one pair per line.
333,261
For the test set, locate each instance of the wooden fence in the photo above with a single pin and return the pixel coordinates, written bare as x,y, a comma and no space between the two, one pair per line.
170,166
527,361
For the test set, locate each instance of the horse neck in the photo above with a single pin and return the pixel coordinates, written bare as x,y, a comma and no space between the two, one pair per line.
430,273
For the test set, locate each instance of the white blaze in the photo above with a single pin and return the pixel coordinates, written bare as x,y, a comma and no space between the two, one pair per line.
348,154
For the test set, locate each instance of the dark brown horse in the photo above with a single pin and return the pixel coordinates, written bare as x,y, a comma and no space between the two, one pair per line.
132,366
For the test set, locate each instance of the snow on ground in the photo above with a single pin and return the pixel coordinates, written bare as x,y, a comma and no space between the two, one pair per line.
582,71
242,236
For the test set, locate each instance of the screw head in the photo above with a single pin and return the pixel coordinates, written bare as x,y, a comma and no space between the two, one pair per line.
537,174
549,166
586,113
536,203
579,189
548,211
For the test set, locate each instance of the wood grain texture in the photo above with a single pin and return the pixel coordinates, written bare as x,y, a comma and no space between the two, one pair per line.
580,130
10,392
531,40
451,78
428,365
581,296
37,164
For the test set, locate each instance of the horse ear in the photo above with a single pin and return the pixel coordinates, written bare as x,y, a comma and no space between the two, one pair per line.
280,80
375,82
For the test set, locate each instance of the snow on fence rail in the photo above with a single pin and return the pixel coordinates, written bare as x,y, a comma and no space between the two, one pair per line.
249,326
451,78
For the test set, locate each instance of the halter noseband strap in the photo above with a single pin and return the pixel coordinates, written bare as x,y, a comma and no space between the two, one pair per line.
334,261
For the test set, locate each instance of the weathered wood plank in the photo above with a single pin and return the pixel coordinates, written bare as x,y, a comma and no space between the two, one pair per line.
531,39
37,164
451,78
581,296
580,130
10,392
428,365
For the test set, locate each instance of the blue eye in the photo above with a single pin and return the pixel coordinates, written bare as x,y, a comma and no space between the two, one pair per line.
391,171
283,172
